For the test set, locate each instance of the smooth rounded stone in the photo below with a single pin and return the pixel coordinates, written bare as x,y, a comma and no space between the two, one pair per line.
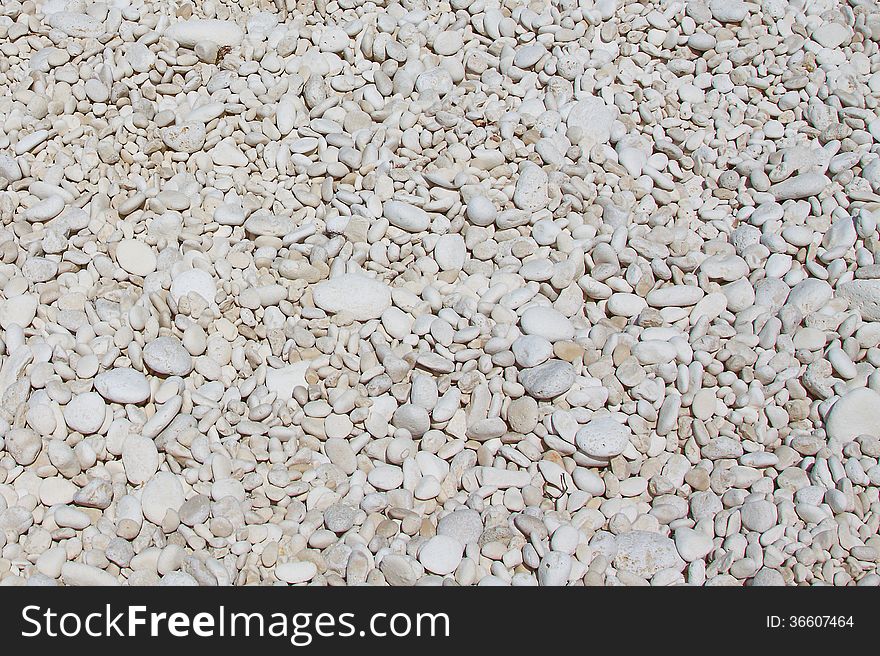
184,138
728,11
85,413
529,55
448,43
195,510
588,481
800,186
482,430
464,525
167,355
740,295
522,414
441,554
864,296
654,351
531,192
163,492
704,404
296,572
140,458
767,576
565,539
340,517
413,418
45,210
481,211
80,574
450,252
337,426
855,413
759,515
178,580
406,216
623,304
810,295
269,225
18,310
799,236
539,270
593,119
56,490
123,385
548,380
341,454
229,214
691,544
385,477
603,438
397,570
674,296
363,297
546,322
333,40
24,445
725,267
196,30
645,553
194,281
135,257
531,350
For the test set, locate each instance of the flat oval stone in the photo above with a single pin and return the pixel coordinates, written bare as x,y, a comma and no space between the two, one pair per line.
855,413
167,355
548,380
135,257
603,438
464,524
163,492
269,225
363,297
531,350
674,296
385,477
140,458
299,572
123,385
405,216
548,323
85,413
18,310
441,554
450,252
800,186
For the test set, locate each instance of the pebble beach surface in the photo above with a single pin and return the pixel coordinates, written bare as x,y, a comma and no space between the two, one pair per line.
438,292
